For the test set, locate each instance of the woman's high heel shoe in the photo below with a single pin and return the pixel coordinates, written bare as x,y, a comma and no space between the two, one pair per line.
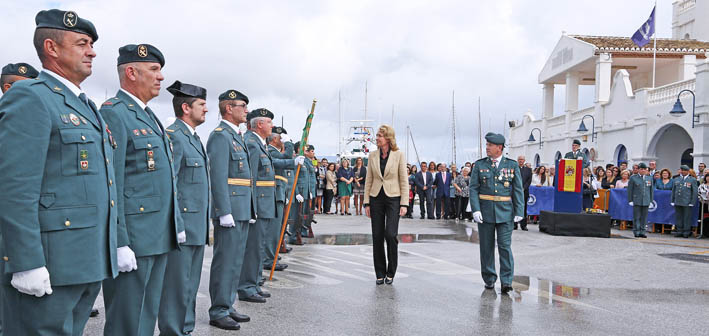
380,282
389,280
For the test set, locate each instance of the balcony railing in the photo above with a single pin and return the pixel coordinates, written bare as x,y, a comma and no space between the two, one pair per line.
668,93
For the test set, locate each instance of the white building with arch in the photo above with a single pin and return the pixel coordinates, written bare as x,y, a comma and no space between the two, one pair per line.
632,119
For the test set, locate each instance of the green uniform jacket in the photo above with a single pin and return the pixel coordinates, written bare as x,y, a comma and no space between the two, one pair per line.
59,192
263,170
641,190
684,191
193,192
306,180
229,159
148,220
578,155
282,173
504,181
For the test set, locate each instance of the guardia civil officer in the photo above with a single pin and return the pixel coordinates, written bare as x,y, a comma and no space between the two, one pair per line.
684,196
641,190
279,147
232,208
304,192
16,72
58,217
184,266
576,153
149,225
497,202
260,123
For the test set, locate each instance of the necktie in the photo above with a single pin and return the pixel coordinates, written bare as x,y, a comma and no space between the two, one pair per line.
84,99
201,146
153,118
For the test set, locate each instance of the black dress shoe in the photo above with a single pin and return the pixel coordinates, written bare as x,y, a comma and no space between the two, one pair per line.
524,228
422,217
94,312
506,289
254,298
489,286
431,218
279,267
225,323
380,282
389,280
642,236
264,294
239,317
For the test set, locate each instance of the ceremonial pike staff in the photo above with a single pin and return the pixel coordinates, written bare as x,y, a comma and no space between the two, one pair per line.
301,152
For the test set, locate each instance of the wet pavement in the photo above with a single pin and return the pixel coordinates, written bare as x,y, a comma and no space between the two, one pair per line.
563,286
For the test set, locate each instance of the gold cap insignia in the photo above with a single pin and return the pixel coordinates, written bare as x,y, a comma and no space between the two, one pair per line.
70,19
232,94
264,113
142,51
22,69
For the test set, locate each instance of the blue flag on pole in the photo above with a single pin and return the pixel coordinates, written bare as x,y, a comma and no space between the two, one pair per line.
644,34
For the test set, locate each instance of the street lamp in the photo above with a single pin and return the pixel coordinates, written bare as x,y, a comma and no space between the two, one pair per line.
678,109
531,136
583,129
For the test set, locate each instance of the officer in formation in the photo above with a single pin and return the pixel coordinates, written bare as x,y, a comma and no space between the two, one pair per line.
576,153
279,147
497,201
262,165
184,266
641,191
16,72
684,196
232,209
149,224
59,208
304,192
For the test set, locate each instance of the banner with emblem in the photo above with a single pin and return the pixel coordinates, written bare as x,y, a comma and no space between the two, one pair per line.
540,199
660,211
568,176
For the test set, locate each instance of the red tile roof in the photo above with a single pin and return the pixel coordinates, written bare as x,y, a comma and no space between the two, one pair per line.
615,44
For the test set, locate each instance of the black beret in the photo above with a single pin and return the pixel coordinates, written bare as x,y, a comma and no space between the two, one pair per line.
309,147
20,69
140,53
65,20
278,130
495,138
642,165
577,142
179,89
260,112
684,167
233,95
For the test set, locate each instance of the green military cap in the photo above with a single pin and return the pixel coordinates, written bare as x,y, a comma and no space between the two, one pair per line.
65,20
140,53
259,112
642,165
179,89
494,138
233,95
577,142
309,147
684,167
278,130
20,69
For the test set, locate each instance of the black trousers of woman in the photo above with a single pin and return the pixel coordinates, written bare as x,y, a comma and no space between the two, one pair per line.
462,206
327,199
384,211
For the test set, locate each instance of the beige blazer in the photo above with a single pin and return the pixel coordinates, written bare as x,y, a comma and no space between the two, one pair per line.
331,180
394,179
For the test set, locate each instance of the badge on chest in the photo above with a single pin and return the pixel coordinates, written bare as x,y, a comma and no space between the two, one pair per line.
151,160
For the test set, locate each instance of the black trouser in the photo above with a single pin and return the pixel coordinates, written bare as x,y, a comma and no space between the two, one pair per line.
327,202
523,222
462,204
425,204
384,211
443,205
410,210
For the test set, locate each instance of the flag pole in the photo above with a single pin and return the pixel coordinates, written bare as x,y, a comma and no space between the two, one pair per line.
301,150
654,48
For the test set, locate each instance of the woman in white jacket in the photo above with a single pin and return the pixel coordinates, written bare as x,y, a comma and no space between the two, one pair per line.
541,178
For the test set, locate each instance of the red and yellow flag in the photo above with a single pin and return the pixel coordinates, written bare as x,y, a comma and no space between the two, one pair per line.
569,175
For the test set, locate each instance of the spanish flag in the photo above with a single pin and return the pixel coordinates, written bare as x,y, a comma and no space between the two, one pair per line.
569,174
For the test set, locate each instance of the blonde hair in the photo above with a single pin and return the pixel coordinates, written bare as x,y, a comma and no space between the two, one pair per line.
389,135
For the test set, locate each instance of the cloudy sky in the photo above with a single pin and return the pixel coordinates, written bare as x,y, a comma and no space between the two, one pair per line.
282,54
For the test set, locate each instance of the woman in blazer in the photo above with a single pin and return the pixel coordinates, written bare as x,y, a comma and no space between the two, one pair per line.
386,191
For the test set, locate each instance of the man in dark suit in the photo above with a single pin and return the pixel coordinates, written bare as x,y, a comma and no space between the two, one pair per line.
424,181
526,173
443,190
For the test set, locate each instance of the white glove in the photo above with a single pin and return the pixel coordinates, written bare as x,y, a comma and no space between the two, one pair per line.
252,220
226,221
286,203
33,282
478,216
181,237
126,259
299,160
311,195
672,204
518,219
285,138
630,203
690,204
299,198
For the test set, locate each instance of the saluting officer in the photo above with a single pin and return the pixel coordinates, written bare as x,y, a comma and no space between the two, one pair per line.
58,217
576,153
684,196
641,191
497,201
149,225
304,191
16,72
262,167
232,208
184,266
279,147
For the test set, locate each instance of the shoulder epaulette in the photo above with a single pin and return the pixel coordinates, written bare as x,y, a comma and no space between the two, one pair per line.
218,129
170,130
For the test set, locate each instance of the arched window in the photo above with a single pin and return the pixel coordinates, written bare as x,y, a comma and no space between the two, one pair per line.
557,157
621,154
536,161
